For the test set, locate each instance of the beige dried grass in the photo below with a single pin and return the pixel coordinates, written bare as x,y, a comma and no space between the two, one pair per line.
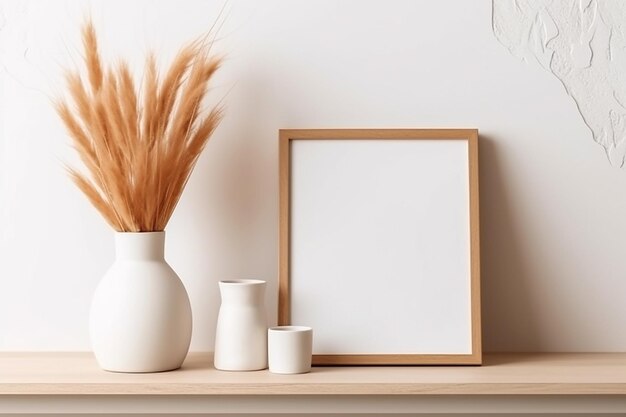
139,145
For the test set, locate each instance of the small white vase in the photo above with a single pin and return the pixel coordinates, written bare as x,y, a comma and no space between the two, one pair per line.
241,335
140,315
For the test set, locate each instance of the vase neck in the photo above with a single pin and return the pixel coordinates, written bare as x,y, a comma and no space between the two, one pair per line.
140,246
251,292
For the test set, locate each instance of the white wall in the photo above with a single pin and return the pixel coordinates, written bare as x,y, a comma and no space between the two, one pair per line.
553,222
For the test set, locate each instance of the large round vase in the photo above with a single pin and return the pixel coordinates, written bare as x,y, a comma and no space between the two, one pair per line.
140,316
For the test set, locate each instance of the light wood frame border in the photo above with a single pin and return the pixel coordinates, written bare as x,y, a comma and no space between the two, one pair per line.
284,304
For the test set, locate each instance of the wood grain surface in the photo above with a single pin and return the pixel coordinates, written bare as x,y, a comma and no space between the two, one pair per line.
501,374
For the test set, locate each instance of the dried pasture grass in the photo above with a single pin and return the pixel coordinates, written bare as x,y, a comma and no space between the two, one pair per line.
139,144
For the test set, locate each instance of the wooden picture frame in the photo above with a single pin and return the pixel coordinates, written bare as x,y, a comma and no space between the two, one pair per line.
417,190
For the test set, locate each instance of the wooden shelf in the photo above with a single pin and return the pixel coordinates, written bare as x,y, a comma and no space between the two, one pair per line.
502,374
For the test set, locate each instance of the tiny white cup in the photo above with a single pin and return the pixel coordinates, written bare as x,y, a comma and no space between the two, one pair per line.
289,349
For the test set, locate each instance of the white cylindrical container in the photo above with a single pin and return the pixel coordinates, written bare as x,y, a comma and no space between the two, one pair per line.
241,334
290,349
140,315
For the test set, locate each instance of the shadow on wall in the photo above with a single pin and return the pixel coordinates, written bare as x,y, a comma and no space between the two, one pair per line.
509,321
236,202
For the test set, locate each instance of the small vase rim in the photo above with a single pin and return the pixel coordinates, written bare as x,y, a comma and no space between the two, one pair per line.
243,282
290,329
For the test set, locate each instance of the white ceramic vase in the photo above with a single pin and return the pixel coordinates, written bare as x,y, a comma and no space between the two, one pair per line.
241,335
140,315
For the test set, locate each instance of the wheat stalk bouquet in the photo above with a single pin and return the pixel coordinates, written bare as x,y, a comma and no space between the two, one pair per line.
138,143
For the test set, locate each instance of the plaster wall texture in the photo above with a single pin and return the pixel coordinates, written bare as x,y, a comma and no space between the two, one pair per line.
583,44
552,220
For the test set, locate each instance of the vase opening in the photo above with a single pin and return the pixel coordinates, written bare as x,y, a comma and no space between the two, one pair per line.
243,281
290,329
